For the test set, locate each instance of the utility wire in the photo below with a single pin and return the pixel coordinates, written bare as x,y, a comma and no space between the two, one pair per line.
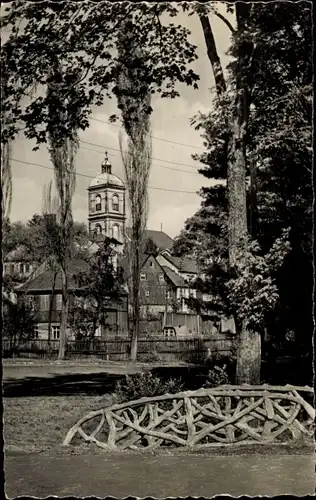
93,177
155,159
160,166
152,136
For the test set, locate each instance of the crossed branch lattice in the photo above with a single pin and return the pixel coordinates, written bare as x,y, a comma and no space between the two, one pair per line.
203,418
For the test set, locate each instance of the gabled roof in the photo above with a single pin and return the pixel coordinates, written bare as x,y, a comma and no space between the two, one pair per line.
183,264
124,264
175,278
43,282
161,239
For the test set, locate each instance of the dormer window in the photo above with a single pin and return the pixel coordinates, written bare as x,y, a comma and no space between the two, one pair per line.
98,203
115,203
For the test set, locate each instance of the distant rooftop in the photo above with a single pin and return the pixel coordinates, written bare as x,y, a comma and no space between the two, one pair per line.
184,264
161,239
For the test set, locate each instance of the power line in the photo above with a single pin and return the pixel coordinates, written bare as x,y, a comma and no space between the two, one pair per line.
155,159
160,166
152,136
91,177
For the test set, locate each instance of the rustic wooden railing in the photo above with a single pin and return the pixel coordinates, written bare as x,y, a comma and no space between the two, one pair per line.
224,415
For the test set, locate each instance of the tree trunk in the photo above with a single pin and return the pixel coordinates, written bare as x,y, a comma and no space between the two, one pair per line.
135,288
51,308
249,345
248,356
64,315
248,365
236,187
253,199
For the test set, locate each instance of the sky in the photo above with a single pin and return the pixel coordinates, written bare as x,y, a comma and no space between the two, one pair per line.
173,168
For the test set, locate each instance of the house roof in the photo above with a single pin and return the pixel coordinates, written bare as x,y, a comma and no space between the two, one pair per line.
124,264
18,254
175,278
161,239
183,264
44,280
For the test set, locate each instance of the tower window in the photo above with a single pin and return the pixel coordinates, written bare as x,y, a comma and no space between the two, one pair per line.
115,203
98,203
98,229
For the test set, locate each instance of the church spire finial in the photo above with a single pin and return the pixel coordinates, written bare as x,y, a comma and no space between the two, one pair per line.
106,165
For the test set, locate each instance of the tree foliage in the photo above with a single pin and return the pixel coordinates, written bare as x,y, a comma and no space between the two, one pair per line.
278,146
83,38
19,320
99,286
38,235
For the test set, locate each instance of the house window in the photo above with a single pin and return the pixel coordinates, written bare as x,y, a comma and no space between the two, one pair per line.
21,268
35,334
168,295
151,263
98,203
27,268
161,277
115,203
147,293
44,301
143,277
56,332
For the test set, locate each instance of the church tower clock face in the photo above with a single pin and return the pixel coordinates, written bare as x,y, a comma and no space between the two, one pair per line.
107,205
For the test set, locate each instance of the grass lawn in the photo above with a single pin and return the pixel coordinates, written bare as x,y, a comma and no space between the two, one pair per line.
40,424
56,395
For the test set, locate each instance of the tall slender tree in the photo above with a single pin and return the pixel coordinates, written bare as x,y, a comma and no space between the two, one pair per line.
63,153
134,100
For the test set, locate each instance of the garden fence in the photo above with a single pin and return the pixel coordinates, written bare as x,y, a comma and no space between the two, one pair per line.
185,349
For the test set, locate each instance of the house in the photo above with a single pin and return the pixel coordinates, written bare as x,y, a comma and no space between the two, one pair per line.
17,263
40,290
161,288
185,266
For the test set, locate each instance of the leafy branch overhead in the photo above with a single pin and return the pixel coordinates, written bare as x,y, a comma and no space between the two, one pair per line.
83,39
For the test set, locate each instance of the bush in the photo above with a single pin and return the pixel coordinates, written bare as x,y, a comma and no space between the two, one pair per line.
146,385
217,376
150,357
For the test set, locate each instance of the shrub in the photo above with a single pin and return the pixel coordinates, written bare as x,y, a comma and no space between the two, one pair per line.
146,385
217,376
150,357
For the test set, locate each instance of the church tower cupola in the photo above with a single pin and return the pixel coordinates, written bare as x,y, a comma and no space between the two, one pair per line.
107,204
106,167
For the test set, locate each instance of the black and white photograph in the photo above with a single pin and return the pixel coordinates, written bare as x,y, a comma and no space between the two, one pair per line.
157,249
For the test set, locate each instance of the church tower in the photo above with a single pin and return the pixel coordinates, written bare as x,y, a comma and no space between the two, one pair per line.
107,205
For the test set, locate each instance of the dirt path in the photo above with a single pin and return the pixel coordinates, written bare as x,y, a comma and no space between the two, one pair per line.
159,477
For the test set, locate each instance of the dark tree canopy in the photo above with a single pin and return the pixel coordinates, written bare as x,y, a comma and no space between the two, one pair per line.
82,40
